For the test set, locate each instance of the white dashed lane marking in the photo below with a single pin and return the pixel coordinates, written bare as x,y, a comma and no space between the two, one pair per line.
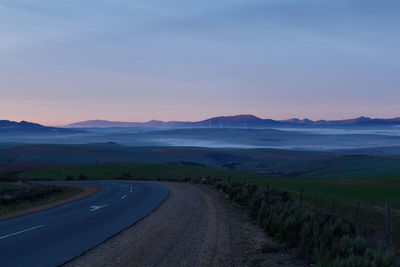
20,232
93,208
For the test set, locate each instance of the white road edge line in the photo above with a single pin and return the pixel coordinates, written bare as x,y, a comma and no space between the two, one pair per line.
93,208
20,232
124,196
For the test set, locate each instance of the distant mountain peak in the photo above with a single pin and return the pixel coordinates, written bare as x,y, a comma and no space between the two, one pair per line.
242,117
362,118
243,120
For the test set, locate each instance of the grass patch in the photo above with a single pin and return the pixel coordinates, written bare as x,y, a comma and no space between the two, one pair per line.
137,171
21,196
375,191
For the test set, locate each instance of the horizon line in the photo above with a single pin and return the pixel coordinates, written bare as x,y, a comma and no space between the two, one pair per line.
267,118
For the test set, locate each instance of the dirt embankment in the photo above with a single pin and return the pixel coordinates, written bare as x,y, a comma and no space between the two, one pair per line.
195,226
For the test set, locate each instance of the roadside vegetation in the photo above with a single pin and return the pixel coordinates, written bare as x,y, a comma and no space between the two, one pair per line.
20,196
335,221
329,240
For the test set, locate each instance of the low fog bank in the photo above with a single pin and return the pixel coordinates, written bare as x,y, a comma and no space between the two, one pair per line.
299,139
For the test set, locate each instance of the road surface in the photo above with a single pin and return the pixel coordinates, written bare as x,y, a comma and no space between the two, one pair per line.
57,235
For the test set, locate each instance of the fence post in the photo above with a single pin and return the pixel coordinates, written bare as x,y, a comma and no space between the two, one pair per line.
389,238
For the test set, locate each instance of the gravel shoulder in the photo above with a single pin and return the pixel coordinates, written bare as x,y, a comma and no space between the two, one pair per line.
195,226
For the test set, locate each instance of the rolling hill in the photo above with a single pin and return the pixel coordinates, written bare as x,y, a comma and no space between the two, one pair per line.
25,127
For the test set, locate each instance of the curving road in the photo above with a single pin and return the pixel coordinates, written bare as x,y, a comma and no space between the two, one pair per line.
57,235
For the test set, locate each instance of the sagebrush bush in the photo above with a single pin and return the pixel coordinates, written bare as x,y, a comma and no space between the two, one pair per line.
26,193
83,177
329,240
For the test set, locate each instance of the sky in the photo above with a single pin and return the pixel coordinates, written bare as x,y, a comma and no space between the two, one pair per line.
63,61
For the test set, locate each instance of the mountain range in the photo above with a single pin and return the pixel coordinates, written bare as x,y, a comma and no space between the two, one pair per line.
238,121
7,126
244,121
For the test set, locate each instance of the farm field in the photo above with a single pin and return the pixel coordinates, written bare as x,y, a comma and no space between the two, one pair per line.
148,171
279,162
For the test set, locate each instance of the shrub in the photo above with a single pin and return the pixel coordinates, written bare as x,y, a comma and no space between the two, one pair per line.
82,177
27,192
126,176
328,239
186,180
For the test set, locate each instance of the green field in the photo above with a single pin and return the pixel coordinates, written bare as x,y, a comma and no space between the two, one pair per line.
374,191
137,170
350,166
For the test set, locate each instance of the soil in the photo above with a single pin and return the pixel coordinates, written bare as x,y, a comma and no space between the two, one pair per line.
195,226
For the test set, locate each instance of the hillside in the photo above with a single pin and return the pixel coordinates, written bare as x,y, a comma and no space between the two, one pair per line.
7,126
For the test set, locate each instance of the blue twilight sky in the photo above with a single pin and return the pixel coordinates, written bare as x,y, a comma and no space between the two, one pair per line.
68,60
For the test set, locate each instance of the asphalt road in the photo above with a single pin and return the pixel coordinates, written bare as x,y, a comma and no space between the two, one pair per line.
57,235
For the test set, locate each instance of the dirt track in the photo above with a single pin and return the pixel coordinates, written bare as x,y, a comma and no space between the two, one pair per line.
195,226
